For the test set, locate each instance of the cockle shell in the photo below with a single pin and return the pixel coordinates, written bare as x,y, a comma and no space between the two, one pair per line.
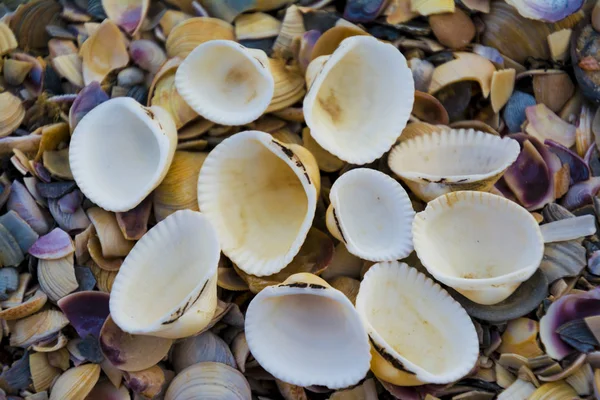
12,113
324,340
76,383
292,26
191,33
451,160
256,26
209,381
418,333
57,277
289,85
235,90
128,14
348,108
261,228
42,373
371,213
187,243
103,52
141,142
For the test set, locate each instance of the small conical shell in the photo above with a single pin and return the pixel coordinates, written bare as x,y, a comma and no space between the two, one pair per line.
139,142
260,226
177,258
314,327
225,82
482,245
209,381
76,383
361,100
372,214
452,160
419,334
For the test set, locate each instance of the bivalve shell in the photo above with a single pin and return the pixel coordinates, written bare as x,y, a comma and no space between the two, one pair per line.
466,67
128,14
12,113
29,331
8,41
42,373
191,33
210,381
103,52
289,85
76,383
256,26
57,277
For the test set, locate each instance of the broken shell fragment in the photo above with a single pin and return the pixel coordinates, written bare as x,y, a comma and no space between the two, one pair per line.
553,89
107,229
57,277
76,383
42,373
326,313
30,330
428,7
186,242
21,202
234,91
147,55
16,71
363,135
502,249
544,124
549,11
12,113
128,14
210,381
402,346
103,52
503,83
429,109
372,214
452,160
86,311
134,223
454,30
54,245
19,230
465,67
520,338
277,210
117,129
191,33
88,98
8,42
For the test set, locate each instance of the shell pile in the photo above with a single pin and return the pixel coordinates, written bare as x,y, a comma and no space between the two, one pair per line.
299,199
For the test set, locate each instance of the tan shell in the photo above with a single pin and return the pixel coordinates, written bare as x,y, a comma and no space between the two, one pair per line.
61,47
429,109
60,359
76,383
32,329
103,52
211,380
256,26
56,344
12,113
559,43
111,238
149,382
195,129
553,89
31,306
454,30
428,7
554,390
289,85
331,39
417,129
95,250
520,338
104,279
57,277
8,41
327,162
29,22
186,36
502,86
16,71
291,27
69,67
466,67
165,95
170,19
42,373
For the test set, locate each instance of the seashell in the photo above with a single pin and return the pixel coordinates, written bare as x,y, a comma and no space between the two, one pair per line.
514,113
290,180
68,221
134,223
148,383
519,389
55,190
179,189
553,90
76,383
256,26
346,285
103,52
206,347
57,163
21,202
578,169
229,279
170,19
289,85
291,27
343,263
9,281
428,7
130,76
581,380
435,324
57,277
12,113
88,98
563,259
413,161
139,93
466,67
489,275
455,30
554,390
27,143
147,55
106,390
20,230
385,234
30,330
429,109
544,11
332,38
193,266
70,202
85,279
149,132
8,41
232,94
42,373
327,162
331,315
211,381
25,309
86,311
323,108
104,279
52,246
520,338
108,231
30,20
129,14
191,33
501,89
476,125
131,352
195,129
16,71
559,43
16,297
544,124
364,11
70,67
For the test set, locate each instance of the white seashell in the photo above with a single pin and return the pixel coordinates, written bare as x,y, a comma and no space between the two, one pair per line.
305,333
120,151
167,285
209,381
233,90
260,195
452,160
482,245
372,214
419,334
361,100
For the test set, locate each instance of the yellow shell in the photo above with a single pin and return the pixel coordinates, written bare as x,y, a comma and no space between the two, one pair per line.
466,67
103,52
104,279
289,85
186,36
170,19
166,95
76,383
42,373
520,338
30,306
8,41
256,26
69,66
31,330
12,113
428,7
554,391
331,39
503,83
57,277
16,71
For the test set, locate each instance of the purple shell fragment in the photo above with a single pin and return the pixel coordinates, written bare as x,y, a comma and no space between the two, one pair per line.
134,223
88,98
68,221
592,159
52,246
55,190
21,202
581,193
567,308
70,202
86,311
546,10
578,169
363,10
19,229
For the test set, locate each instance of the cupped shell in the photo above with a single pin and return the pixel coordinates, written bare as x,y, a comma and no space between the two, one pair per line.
103,52
225,82
324,340
261,227
139,141
177,259
372,214
482,245
210,381
418,333
349,105
451,160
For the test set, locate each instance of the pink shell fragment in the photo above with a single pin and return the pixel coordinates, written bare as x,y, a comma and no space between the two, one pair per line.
52,246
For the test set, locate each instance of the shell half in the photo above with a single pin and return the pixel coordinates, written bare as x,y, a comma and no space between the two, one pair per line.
234,90
260,195
167,285
482,245
360,101
452,160
372,214
120,151
419,334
